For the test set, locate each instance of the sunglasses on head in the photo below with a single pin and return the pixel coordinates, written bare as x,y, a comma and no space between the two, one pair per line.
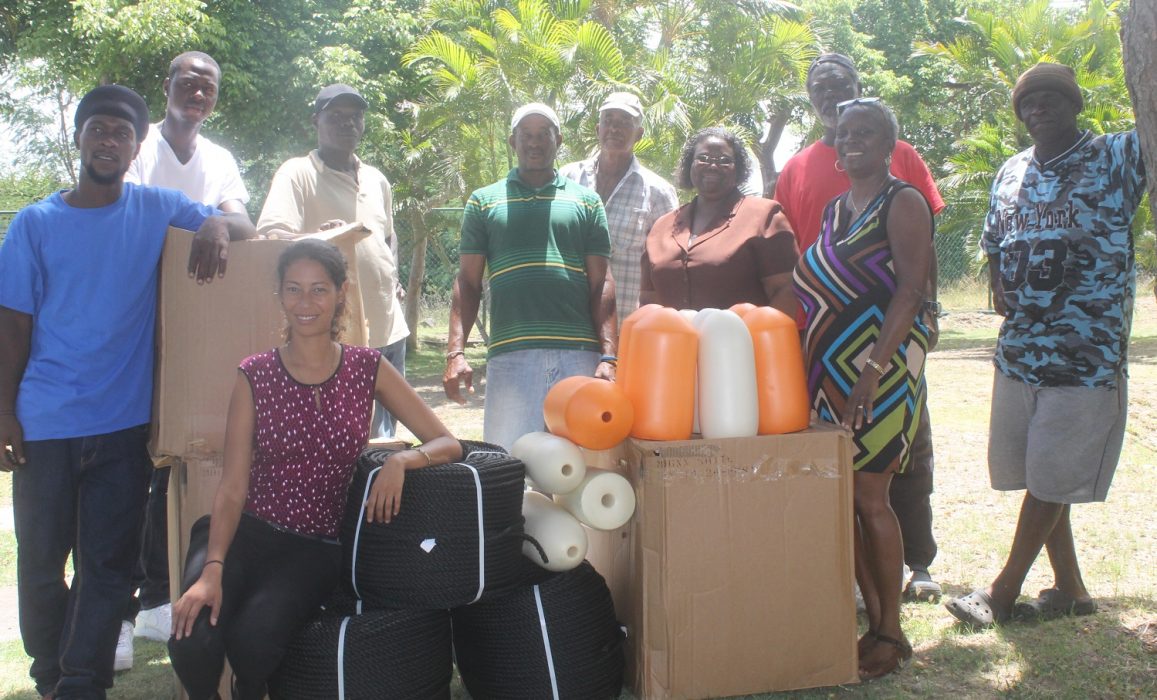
841,106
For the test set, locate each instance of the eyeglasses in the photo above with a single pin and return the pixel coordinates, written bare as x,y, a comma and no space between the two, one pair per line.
721,161
841,106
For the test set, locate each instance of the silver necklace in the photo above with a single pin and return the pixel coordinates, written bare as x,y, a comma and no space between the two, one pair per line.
856,208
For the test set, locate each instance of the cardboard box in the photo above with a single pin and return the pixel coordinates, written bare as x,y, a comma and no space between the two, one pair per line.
205,330
609,551
735,575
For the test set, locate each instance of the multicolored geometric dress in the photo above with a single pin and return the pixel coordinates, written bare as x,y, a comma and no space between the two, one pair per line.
844,283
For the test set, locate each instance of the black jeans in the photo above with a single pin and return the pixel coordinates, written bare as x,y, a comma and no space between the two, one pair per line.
151,576
911,499
82,496
272,584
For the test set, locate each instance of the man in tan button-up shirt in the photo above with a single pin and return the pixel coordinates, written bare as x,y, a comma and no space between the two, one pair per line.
330,187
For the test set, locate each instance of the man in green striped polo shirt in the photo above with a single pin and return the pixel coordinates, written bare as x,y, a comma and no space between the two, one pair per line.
546,243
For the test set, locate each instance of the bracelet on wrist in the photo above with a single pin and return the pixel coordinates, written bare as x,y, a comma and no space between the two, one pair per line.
455,353
213,561
610,360
880,369
429,460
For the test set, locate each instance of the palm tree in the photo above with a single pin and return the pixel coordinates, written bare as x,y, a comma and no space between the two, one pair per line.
983,66
485,60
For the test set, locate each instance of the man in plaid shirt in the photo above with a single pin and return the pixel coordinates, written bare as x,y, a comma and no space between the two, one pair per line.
633,196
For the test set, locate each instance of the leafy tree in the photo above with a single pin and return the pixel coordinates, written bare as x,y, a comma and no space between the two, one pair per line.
983,66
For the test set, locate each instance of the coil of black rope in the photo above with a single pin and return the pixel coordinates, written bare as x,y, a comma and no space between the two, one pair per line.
378,654
557,638
457,538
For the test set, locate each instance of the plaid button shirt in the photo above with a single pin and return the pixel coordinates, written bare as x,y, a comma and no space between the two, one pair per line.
639,199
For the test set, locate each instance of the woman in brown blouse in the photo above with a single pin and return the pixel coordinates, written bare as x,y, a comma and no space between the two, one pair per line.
723,247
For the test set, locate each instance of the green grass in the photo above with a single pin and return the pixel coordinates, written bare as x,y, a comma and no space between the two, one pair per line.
151,678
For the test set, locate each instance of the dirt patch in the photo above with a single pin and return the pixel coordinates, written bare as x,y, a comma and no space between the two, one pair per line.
1146,632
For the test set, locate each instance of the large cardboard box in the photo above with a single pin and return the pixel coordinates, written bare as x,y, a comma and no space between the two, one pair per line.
205,330
735,575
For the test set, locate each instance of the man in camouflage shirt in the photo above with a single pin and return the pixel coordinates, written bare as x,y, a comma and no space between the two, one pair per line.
1060,254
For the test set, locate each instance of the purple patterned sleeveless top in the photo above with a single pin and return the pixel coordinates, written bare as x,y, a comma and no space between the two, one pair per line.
303,455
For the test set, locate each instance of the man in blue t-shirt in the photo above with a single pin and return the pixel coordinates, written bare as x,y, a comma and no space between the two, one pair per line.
78,290
1060,249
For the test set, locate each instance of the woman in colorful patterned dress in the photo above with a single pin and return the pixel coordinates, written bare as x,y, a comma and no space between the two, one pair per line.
861,286
299,417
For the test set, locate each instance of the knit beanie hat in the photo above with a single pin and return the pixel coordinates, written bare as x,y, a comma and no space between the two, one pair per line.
1047,76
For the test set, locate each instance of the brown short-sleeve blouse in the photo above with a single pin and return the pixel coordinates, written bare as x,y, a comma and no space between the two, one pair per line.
723,266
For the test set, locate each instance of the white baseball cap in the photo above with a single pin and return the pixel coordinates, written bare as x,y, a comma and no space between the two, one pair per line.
624,101
534,108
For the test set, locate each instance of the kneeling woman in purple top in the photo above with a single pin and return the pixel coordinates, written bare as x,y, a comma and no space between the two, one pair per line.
298,418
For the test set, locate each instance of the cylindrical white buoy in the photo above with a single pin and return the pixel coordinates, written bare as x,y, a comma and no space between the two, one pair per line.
604,500
554,464
728,398
559,534
691,315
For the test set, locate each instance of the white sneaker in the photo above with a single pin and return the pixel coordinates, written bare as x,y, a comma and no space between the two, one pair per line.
155,623
123,660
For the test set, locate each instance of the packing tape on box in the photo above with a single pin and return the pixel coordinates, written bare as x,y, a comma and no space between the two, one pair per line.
705,460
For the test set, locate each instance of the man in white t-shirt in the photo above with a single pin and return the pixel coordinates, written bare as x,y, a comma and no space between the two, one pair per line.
175,155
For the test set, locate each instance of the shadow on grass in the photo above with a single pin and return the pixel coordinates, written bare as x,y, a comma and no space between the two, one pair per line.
1098,655
151,677
952,341
1143,350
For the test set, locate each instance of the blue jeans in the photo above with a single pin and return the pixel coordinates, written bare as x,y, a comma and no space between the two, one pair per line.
385,425
516,386
85,497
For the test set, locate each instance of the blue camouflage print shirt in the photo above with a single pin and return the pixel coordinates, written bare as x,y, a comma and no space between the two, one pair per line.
1062,231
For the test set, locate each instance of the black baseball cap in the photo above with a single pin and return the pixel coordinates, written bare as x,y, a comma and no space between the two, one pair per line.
114,101
329,93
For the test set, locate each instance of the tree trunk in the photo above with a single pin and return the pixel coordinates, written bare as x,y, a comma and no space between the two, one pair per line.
767,152
1139,50
414,283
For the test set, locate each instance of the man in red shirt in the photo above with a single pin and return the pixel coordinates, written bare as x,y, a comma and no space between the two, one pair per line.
807,183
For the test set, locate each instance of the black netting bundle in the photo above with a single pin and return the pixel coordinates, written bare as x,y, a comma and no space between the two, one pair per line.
456,539
503,651
379,654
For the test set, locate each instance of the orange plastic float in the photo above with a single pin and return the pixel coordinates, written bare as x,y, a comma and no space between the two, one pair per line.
592,413
742,308
779,372
658,376
625,335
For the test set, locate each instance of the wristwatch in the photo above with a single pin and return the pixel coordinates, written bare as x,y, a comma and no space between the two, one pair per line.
933,307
